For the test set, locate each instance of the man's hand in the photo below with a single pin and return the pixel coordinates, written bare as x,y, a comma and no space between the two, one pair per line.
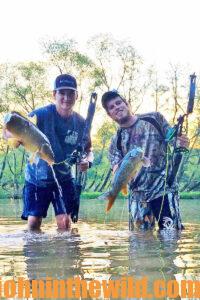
115,168
84,165
182,141
86,162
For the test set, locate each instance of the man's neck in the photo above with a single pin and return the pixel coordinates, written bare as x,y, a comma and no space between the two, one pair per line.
64,113
129,122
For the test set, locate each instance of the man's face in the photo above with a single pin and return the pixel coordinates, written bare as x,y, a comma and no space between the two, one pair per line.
118,110
65,100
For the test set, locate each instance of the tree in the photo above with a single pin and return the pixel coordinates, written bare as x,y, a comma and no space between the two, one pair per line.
158,90
118,66
65,57
27,87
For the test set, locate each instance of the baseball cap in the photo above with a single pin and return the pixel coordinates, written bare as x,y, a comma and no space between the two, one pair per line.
65,81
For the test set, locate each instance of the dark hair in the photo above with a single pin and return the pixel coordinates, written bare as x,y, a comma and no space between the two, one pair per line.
107,96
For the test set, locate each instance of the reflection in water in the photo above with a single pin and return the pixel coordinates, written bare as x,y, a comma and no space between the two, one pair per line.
151,255
188,254
98,251
55,255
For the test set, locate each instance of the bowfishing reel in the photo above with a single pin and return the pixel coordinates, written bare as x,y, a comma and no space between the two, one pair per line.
75,156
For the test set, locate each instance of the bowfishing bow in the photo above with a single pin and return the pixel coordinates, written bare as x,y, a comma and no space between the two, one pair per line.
80,153
177,130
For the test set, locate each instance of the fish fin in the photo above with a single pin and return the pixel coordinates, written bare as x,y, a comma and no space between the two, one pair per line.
107,196
47,154
111,200
33,158
13,142
124,190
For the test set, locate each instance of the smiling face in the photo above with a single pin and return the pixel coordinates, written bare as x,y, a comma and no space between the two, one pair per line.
65,100
118,110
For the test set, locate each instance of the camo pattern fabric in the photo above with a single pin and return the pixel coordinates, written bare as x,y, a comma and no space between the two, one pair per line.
151,181
165,210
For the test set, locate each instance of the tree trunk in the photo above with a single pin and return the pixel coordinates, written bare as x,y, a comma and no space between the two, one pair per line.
105,180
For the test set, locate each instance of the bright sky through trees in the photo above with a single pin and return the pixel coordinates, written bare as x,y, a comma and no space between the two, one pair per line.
162,31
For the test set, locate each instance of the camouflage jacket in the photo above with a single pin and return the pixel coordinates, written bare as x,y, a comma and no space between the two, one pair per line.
150,183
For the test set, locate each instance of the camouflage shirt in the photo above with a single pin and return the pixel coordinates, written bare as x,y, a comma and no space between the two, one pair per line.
150,183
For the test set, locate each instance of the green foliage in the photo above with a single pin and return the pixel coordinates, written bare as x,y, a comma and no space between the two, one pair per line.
12,177
65,56
190,195
104,134
90,195
109,63
31,71
183,195
26,86
191,172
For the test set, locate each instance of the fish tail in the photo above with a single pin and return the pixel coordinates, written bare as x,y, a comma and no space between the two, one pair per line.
111,200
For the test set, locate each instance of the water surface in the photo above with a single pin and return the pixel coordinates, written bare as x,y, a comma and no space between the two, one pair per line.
99,246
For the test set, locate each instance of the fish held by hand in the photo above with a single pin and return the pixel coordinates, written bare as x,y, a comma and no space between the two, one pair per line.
19,130
128,169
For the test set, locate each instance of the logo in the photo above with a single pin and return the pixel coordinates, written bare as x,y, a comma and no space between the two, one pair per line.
71,137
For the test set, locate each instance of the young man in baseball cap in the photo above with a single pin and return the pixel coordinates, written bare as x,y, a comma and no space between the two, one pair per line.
64,129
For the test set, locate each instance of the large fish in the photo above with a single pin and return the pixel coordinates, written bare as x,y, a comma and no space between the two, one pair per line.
20,131
128,169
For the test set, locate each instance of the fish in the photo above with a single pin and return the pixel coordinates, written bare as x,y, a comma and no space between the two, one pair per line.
128,169
19,130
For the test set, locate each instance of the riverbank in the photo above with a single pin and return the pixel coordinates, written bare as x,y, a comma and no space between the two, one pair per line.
184,195
93,195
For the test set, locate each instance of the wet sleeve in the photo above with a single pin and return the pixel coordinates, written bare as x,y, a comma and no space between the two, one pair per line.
114,155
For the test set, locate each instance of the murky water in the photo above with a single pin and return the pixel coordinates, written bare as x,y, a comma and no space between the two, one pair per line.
99,247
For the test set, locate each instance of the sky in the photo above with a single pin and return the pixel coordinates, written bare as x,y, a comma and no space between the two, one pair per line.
162,31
